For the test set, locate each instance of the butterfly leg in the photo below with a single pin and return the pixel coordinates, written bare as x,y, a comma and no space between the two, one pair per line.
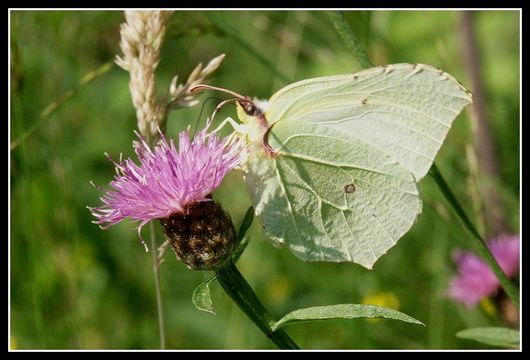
238,128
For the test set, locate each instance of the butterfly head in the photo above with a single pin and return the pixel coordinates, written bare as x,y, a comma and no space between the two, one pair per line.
249,107
251,112
254,107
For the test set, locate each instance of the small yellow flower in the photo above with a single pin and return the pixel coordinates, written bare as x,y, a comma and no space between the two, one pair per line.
487,305
278,289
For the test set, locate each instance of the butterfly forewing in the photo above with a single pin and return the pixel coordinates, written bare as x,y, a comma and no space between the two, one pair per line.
404,110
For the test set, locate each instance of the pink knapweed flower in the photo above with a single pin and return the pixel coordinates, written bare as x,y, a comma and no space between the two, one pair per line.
167,180
475,280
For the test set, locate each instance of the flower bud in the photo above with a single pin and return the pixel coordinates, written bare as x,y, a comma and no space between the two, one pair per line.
202,235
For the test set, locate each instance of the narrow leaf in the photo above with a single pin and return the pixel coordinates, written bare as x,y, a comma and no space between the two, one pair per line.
480,245
247,221
350,39
51,108
242,240
496,336
342,311
201,297
245,45
241,246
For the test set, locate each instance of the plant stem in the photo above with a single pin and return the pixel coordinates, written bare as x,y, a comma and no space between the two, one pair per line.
350,39
245,45
51,108
159,308
480,246
486,154
235,285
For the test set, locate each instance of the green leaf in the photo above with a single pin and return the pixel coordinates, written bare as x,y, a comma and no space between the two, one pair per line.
201,297
247,221
496,336
349,37
242,240
348,153
241,246
360,23
342,311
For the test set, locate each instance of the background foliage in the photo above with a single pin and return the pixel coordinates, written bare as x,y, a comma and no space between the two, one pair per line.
75,286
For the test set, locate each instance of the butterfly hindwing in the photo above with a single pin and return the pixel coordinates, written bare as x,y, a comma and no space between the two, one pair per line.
329,197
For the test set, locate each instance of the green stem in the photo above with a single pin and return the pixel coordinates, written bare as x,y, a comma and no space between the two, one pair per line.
350,39
480,245
159,308
51,108
227,30
481,248
156,272
235,285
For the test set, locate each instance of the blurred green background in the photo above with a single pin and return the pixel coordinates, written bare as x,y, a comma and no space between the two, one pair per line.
74,286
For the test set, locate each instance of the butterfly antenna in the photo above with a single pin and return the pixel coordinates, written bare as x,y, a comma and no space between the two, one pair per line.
200,113
221,104
200,87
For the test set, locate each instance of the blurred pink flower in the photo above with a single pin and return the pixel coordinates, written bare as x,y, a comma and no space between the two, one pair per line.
475,280
167,180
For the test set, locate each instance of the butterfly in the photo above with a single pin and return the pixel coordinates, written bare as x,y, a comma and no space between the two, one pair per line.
334,161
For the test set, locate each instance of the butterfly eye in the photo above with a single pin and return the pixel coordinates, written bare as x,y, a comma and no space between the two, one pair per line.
249,108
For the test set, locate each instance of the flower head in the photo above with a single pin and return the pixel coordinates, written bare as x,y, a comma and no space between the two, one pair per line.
475,280
167,180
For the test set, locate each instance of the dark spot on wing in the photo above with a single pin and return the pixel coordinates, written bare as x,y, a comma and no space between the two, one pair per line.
355,77
365,101
414,66
350,188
